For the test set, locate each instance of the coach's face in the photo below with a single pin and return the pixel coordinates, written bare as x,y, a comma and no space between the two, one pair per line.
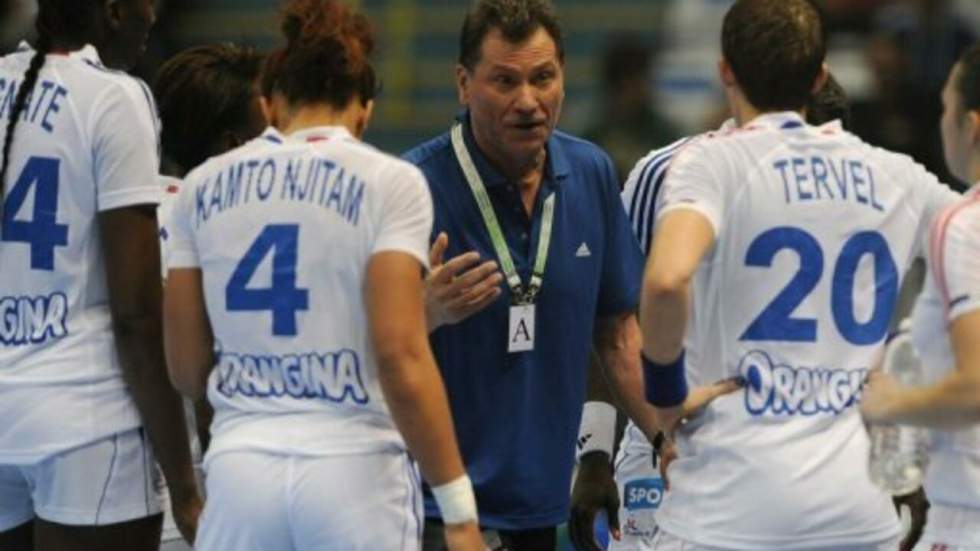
514,94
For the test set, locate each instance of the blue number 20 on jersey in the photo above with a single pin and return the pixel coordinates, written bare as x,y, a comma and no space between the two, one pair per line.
283,298
43,232
776,322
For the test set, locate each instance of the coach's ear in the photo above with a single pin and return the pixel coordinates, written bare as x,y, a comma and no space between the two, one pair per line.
821,79
463,77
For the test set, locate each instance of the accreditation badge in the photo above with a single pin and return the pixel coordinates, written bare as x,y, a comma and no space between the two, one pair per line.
520,337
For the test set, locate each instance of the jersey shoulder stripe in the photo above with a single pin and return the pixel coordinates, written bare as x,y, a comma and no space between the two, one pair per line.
937,245
640,191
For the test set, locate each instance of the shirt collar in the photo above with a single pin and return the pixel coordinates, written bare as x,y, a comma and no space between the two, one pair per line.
85,53
321,134
271,134
556,164
782,120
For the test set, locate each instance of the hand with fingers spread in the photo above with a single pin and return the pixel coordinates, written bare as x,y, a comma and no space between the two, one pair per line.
460,287
595,490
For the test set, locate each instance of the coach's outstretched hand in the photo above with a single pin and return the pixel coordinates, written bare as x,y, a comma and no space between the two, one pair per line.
594,490
459,288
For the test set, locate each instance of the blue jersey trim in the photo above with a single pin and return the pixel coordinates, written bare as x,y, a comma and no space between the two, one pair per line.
644,199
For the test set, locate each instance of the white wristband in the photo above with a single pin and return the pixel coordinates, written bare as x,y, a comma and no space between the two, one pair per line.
456,501
598,429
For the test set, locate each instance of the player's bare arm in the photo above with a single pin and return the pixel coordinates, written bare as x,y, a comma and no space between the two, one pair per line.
188,337
951,403
132,254
410,380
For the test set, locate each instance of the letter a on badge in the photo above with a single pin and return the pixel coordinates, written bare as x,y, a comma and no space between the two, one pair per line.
521,335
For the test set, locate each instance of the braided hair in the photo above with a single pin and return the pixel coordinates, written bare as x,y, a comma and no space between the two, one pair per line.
64,19
20,103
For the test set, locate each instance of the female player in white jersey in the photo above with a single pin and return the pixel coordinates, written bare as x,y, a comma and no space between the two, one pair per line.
777,257
946,334
298,257
209,102
80,344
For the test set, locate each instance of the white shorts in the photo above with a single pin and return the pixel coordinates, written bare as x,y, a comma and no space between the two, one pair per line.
260,501
666,542
108,481
641,490
951,529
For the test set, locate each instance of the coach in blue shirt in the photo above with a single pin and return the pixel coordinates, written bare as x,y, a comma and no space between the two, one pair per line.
516,369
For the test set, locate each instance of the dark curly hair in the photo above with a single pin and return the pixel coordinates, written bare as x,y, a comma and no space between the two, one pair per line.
516,19
201,93
326,56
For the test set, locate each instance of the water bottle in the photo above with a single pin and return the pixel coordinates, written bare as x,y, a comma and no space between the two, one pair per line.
899,454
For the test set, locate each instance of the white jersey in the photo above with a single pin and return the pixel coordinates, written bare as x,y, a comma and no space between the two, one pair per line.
639,197
283,229
814,229
87,144
952,289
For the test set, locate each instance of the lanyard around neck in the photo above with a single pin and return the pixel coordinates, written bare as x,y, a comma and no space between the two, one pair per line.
521,294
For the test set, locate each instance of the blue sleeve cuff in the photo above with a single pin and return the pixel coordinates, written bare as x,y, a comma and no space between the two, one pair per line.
665,385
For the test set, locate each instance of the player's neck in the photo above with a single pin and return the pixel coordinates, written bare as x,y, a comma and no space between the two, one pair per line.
319,115
744,112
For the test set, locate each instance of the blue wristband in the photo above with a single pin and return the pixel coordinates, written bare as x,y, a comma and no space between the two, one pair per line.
665,385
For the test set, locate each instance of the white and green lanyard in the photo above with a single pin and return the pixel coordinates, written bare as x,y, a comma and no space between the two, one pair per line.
520,293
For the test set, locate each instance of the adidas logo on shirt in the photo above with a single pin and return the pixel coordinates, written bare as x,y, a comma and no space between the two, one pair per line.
583,251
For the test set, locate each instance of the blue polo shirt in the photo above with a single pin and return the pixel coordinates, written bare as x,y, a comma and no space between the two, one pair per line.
517,414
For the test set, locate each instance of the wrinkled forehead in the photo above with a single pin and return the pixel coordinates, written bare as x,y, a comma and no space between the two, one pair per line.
537,50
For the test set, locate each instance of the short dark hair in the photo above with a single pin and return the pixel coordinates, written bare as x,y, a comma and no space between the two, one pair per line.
326,57
517,21
776,49
201,93
828,104
968,85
